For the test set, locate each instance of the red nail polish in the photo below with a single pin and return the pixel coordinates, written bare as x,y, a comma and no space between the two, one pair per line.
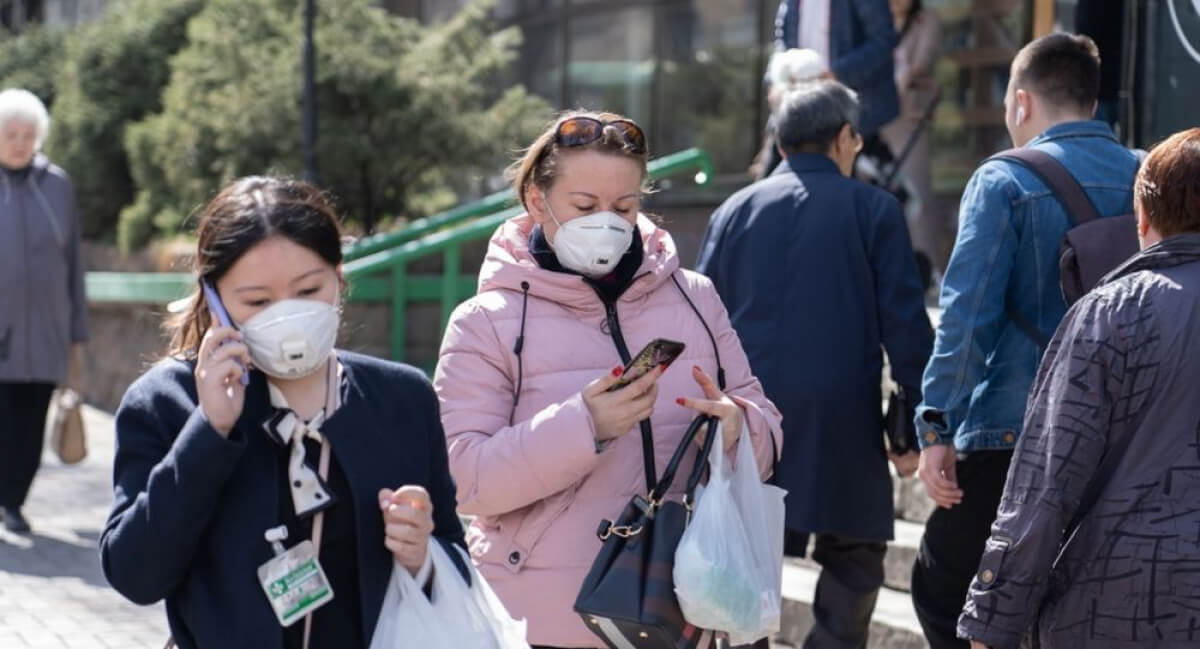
617,371
697,368
681,401
663,366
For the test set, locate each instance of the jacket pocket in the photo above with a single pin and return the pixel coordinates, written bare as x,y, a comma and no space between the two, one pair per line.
532,527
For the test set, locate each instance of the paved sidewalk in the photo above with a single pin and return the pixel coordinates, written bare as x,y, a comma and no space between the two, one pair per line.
52,592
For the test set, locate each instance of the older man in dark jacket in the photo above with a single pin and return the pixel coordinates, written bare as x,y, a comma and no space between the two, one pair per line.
818,275
1096,540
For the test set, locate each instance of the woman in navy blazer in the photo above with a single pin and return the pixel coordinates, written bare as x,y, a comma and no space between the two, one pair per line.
206,463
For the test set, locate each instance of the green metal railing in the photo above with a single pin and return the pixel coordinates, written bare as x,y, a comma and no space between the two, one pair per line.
377,271
379,242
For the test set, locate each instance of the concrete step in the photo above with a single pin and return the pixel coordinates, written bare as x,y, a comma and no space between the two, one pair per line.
893,626
897,563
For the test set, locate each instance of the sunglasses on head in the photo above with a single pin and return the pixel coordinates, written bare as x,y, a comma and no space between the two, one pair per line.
582,131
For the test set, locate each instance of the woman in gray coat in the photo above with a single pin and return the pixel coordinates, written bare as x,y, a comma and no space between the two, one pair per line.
1095,541
43,310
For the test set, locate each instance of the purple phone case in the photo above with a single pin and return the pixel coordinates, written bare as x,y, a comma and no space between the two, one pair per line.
218,309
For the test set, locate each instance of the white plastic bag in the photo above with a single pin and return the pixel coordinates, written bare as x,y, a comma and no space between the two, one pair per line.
729,563
762,509
457,616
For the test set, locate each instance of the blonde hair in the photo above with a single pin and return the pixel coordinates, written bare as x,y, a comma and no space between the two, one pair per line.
539,165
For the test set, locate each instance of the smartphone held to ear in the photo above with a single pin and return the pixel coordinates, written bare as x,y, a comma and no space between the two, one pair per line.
659,351
222,316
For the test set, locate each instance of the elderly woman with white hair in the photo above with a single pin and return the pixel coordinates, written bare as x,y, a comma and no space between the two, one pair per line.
43,317
786,71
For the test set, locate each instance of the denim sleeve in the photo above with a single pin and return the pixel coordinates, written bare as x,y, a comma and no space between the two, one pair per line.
872,59
972,302
1100,355
903,321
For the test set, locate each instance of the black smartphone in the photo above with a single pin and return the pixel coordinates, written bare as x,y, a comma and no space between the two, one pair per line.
659,351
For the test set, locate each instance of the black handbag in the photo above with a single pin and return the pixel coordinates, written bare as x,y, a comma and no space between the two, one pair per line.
899,425
628,597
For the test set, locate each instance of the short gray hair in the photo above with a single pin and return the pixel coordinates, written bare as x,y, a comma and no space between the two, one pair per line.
810,116
18,104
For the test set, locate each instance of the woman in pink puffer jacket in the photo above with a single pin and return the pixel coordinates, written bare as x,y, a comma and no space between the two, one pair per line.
541,452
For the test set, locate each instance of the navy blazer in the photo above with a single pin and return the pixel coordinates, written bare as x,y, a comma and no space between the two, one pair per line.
191,506
861,40
818,275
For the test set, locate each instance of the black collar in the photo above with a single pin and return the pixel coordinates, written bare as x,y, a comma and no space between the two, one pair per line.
18,174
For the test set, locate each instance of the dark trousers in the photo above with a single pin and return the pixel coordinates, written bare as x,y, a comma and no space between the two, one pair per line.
22,422
952,546
851,576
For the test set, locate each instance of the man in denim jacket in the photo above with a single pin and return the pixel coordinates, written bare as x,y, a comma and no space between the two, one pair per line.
1005,260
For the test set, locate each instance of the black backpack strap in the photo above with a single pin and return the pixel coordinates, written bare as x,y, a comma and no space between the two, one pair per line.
1074,200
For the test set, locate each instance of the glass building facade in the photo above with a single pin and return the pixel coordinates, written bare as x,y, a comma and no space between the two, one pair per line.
689,71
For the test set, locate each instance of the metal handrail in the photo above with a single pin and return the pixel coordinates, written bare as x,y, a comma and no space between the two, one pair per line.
378,242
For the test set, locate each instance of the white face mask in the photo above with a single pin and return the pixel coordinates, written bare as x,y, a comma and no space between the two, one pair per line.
292,338
591,245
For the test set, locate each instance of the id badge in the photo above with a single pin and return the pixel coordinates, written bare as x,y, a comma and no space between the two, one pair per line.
294,583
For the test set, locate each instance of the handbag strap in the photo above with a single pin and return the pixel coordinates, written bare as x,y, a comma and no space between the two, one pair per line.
660,490
701,463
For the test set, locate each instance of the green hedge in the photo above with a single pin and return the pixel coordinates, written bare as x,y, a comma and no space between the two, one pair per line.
406,112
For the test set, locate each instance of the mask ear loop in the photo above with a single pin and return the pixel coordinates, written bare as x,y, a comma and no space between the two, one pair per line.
549,210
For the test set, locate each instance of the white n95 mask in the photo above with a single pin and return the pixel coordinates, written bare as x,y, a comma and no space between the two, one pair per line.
292,338
591,245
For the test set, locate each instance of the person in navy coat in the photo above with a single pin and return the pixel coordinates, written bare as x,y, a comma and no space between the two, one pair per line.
819,278
319,444
856,38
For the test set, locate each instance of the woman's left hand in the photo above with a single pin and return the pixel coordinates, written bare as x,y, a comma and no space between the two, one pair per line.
719,405
407,524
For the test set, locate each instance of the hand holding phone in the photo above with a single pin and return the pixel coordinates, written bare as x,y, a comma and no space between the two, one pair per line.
220,375
659,351
222,316
619,400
